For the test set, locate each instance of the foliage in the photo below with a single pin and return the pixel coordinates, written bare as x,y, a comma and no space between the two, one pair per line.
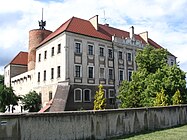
100,100
32,102
7,97
161,99
1,79
177,98
153,75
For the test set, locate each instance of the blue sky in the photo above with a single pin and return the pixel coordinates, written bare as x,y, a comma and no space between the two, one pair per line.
165,21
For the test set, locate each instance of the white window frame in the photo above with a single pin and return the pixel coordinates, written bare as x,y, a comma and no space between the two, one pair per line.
88,72
119,74
92,48
80,47
80,70
100,73
80,95
89,95
109,94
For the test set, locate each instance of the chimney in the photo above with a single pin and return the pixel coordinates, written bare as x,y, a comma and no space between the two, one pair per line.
144,35
94,21
132,32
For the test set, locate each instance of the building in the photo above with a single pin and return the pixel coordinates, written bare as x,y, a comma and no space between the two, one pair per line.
66,66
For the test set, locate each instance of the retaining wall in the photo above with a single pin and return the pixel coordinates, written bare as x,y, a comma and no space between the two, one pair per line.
89,124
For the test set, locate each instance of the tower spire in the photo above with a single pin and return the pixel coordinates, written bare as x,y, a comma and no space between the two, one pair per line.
42,23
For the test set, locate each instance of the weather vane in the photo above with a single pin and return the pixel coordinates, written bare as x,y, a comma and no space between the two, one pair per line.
42,23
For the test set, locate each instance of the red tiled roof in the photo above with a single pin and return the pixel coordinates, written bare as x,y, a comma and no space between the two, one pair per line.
154,44
20,59
84,27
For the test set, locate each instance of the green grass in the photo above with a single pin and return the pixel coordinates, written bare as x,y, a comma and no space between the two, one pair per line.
178,133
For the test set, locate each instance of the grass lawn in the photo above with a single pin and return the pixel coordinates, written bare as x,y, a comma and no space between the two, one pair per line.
178,133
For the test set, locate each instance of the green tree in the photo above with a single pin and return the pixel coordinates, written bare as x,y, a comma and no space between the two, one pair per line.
32,102
177,98
161,99
100,100
152,75
1,80
7,97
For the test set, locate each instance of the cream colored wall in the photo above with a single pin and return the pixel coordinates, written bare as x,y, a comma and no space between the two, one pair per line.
7,76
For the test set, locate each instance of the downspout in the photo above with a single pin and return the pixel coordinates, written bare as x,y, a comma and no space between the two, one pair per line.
113,38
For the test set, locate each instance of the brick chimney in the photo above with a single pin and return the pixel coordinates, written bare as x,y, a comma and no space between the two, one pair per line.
94,21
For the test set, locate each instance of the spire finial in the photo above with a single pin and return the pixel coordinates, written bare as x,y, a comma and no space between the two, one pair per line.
42,23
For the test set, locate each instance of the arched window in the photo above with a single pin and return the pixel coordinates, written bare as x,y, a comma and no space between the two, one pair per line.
87,95
77,95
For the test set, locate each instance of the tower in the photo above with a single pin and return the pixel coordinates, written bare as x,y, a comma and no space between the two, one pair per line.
36,36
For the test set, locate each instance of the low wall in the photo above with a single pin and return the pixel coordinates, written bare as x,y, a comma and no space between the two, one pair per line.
89,124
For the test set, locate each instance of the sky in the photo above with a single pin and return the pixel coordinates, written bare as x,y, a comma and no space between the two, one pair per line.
165,21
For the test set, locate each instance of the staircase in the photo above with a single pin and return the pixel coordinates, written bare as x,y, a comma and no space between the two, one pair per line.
60,98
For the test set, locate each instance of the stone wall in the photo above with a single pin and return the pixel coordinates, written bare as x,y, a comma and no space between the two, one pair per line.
90,124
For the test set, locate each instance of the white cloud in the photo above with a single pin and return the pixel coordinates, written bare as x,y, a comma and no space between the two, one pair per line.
165,20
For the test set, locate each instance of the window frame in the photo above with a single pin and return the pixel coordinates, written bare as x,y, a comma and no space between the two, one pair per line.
109,77
101,53
110,53
75,72
75,95
59,48
120,75
109,95
52,73
85,96
45,54
92,72
52,51
120,55
90,51
39,57
45,73
78,50
58,71
103,73
129,58
130,75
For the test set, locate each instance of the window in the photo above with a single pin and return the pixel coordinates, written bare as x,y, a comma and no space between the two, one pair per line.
90,72
101,52
121,73
45,55
102,73
87,95
90,49
52,73
44,75
110,73
52,51
120,55
171,63
38,76
58,71
129,57
111,93
111,96
78,47
39,57
59,48
77,95
129,75
110,53
77,71
50,95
